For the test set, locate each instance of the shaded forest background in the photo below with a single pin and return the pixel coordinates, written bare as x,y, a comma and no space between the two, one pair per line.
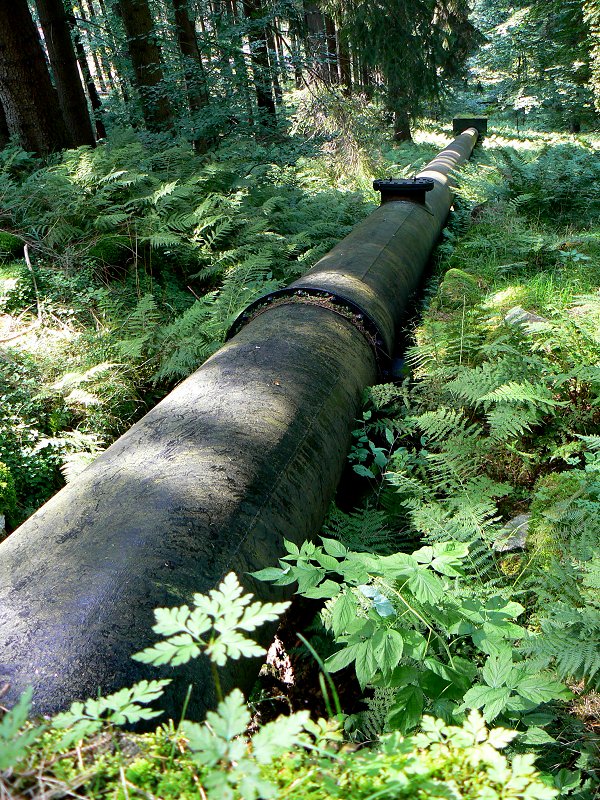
206,70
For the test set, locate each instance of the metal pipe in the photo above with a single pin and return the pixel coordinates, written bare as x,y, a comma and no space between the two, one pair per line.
246,451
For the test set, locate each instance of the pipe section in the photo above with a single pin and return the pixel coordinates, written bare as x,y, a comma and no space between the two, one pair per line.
246,451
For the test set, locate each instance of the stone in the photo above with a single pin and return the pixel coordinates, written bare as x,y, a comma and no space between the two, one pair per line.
513,535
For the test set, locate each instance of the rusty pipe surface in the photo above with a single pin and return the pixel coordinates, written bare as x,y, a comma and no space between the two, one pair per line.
246,451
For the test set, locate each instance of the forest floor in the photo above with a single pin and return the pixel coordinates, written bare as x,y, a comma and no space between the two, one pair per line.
478,467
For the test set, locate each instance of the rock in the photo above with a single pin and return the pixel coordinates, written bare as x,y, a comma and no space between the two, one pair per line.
513,535
518,316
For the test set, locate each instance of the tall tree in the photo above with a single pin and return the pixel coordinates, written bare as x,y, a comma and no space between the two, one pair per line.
415,45
194,73
97,54
592,18
146,59
30,101
539,54
315,41
332,50
71,96
87,78
259,56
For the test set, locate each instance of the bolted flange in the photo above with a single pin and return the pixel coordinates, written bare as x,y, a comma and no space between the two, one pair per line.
413,190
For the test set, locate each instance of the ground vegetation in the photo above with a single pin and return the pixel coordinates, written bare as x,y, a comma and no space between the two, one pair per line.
455,598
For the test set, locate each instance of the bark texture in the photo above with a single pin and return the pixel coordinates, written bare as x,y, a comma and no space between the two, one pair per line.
63,61
30,101
147,63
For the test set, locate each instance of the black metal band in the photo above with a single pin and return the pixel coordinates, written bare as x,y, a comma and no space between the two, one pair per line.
325,298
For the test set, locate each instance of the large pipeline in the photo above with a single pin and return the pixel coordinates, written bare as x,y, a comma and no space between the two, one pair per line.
246,451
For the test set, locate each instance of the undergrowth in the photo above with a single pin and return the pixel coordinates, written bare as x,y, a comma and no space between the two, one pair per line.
121,270
470,578
463,594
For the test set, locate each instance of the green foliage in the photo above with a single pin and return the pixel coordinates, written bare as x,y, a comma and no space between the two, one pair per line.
382,35
536,60
225,614
234,769
403,621
123,707
15,741
11,246
142,256
8,496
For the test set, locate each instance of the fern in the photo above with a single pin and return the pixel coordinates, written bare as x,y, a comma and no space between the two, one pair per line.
370,724
365,530
570,640
140,328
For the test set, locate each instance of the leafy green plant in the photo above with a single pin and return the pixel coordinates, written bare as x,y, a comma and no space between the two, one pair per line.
15,741
8,496
403,622
120,708
216,625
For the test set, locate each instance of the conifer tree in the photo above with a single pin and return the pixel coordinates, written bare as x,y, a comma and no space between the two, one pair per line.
146,59
29,100
415,45
63,61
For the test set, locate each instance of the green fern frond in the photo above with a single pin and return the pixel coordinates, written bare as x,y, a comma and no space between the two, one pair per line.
536,395
361,531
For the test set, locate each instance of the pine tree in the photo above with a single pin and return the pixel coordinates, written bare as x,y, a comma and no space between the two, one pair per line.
26,92
146,59
416,46
63,61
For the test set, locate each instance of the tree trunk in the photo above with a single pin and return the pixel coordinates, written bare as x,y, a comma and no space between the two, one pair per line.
112,56
316,41
147,64
26,92
4,134
297,60
253,12
239,62
280,50
101,70
274,64
63,61
332,52
88,80
345,65
402,125
194,74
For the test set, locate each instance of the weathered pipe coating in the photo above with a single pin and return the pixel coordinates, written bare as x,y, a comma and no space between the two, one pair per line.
246,451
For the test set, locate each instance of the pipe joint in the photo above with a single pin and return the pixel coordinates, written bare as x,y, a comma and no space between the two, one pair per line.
323,298
413,191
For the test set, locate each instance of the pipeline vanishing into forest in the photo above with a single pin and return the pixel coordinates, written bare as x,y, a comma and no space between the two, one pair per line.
245,452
